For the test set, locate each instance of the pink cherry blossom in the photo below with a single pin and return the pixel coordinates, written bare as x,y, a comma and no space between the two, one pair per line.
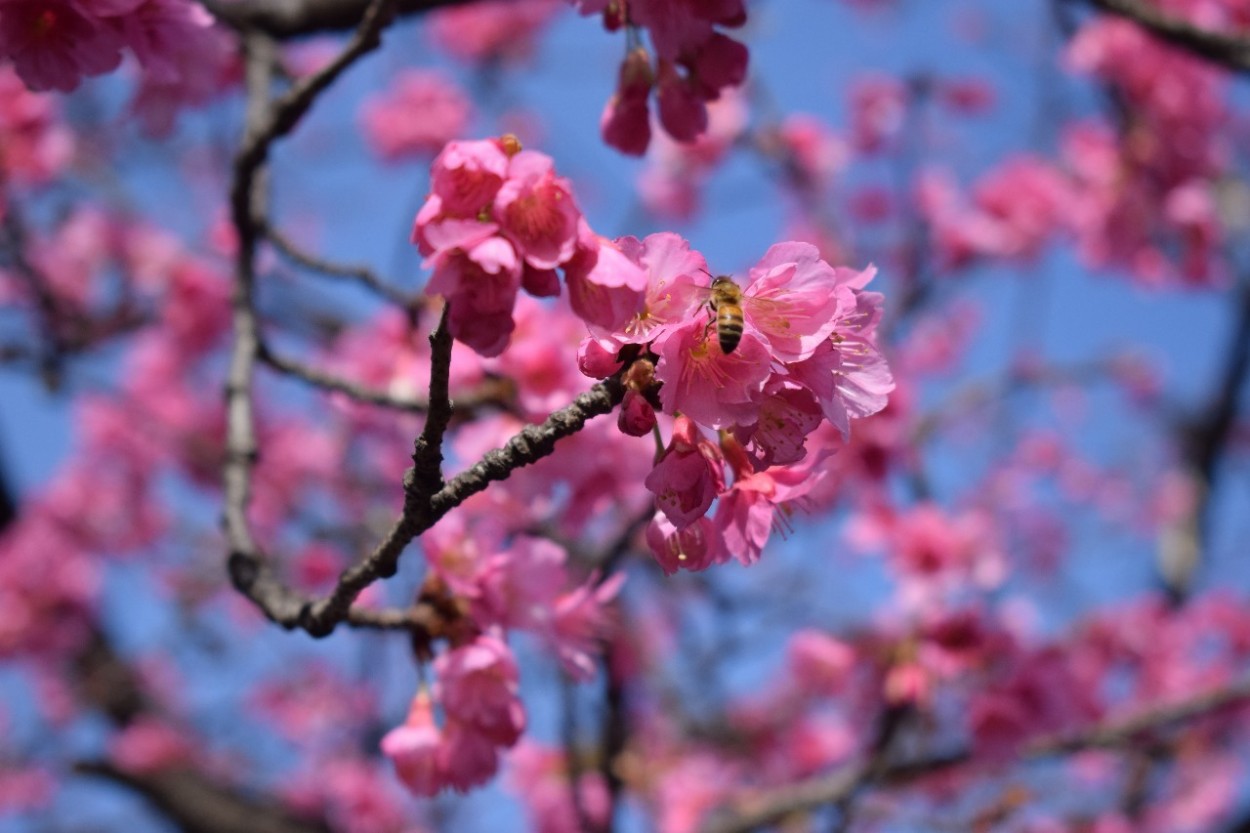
694,548
150,745
467,175
517,587
467,758
481,285
422,111
581,623
37,145
497,30
747,514
626,120
713,389
688,477
674,272
415,748
820,662
536,210
847,373
606,286
540,778
477,685
54,43
160,32
682,111
794,300
787,416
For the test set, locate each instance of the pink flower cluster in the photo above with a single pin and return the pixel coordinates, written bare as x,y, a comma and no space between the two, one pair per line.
477,689
423,111
807,354
491,32
37,145
1157,180
498,220
502,581
53,44
694,64
520,583
541,778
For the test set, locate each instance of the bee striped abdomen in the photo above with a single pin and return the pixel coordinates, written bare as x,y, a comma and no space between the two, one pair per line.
728,326
726,303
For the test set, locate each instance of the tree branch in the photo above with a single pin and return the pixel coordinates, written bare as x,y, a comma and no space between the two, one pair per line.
363,275
284,19
1232,51
246,192
266,121
420,513
1204,438
337,384
769,806
196,805
193,800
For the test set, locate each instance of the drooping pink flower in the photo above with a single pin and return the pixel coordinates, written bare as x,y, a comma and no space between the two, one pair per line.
688,477
682,111
416,749
481,286
468,758
694,548
626,123
626,120
477,685
720,63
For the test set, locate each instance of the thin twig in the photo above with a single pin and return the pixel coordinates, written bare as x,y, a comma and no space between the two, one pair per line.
265,121
528,446
363,275
284,19
246,190
769,806
1230,50
337,384
288,109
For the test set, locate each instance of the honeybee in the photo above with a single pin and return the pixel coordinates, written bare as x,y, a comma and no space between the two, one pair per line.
725,302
